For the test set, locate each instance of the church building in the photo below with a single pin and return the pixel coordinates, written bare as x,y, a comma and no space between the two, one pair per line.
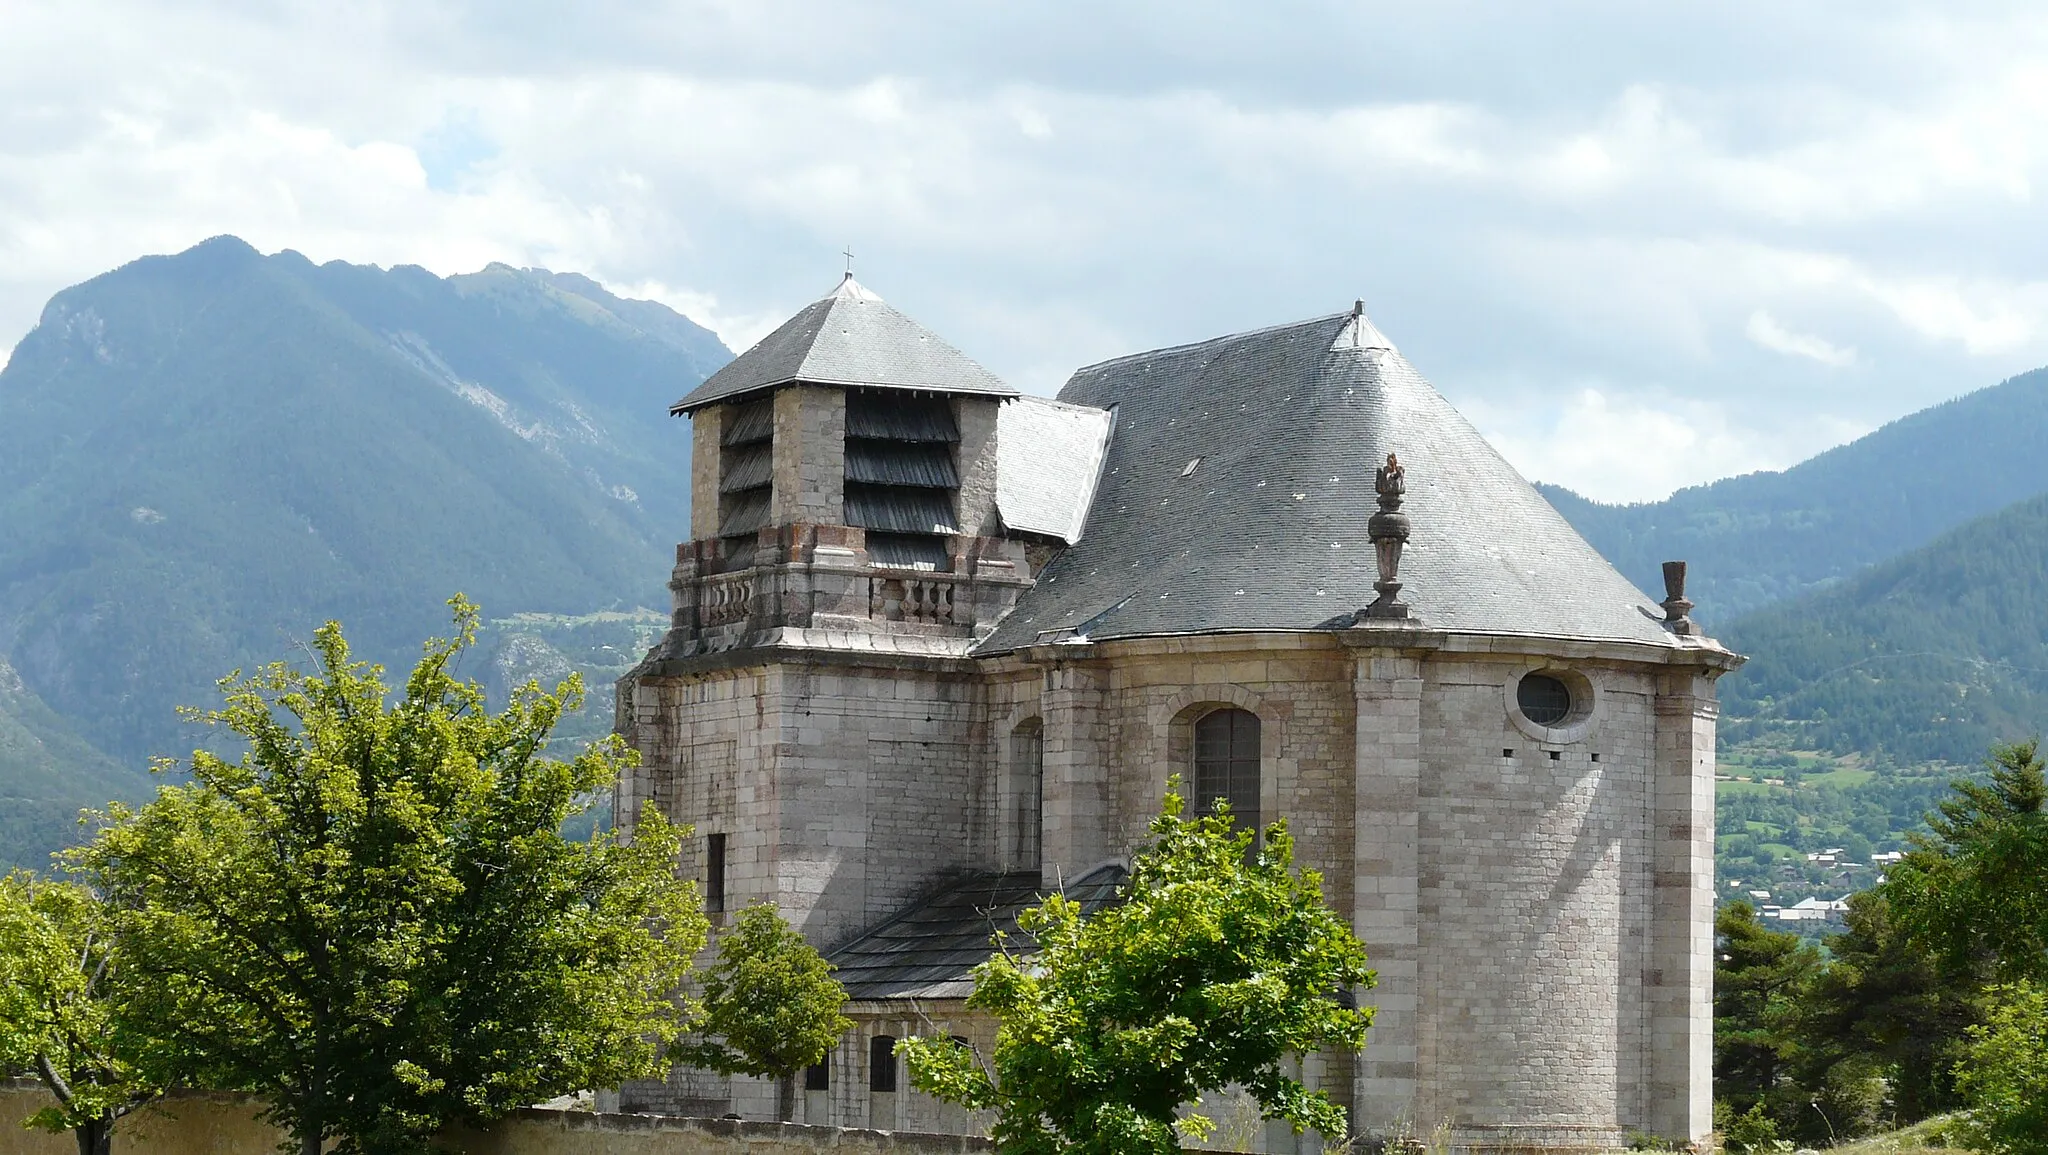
938,646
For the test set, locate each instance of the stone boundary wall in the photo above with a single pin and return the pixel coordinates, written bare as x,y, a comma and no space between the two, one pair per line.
218,1124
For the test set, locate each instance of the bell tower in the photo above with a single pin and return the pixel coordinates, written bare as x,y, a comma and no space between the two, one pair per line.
844,479
813,710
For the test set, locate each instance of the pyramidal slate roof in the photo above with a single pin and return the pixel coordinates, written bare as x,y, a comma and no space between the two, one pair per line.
1239,481
851,337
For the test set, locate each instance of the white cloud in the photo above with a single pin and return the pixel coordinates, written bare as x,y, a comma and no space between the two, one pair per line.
739,331
1527,202
1985,316
1765,330
1032,123
1613,446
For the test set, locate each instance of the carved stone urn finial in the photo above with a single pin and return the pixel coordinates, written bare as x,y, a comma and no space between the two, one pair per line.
1389,532
1676,607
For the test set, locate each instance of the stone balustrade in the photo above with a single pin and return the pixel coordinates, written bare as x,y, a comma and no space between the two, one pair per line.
810,577
725,598
921,598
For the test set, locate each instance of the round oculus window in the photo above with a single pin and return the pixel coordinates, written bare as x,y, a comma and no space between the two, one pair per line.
1544,700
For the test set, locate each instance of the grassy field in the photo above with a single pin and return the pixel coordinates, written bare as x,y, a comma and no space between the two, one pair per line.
1923,1138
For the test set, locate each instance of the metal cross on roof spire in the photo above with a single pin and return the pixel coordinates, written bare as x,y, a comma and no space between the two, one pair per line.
848,254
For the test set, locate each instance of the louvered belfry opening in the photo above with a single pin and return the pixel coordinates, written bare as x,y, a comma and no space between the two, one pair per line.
746,471
902,482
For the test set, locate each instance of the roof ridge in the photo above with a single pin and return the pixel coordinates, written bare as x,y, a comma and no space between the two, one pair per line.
1057,403
1223,340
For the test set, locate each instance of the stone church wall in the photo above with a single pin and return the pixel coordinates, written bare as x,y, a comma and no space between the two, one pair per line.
1533,903
844,792
1505,877
1522,889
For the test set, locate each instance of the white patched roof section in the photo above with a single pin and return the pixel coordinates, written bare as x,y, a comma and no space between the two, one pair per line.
1048,459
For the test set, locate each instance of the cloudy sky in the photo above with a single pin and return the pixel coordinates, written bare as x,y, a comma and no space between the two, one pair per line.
1640,245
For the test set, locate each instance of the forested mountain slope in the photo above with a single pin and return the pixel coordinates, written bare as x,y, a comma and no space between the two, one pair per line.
47,774
1761,537
203,456
1932,655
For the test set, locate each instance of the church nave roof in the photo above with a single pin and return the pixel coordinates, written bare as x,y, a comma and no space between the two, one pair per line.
1239,483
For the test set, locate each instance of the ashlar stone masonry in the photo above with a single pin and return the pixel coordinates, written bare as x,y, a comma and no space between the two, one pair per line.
937,648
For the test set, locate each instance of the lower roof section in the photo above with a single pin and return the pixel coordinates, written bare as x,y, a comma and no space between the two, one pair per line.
930,949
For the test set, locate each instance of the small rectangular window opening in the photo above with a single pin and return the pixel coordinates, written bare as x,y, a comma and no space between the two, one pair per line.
714,873
882,1063
1555,755
1508,753
1596,757
818,1076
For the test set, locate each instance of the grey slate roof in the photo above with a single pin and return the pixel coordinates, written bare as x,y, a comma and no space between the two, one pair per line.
853,338
928,950
1048,458
1283,428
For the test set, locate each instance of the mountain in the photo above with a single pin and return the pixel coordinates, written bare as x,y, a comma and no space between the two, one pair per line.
48,773
203,456
1762,537
1932,655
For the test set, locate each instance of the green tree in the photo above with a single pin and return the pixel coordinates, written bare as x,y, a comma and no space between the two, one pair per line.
1218,963
2005,1074
1750,1133
1759,975
371,918
771,1005
1856,848
1884,1002
1977,886
57,975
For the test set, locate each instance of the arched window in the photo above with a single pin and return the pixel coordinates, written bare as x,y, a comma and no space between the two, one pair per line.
1027,790
1227,763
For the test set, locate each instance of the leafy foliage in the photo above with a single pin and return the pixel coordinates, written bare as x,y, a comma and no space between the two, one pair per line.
1975,890
1896,1022
57,981
1759,975
1751,1133
1884,1005
2005,1074
371,918
1978,884
1220,961
771,1005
